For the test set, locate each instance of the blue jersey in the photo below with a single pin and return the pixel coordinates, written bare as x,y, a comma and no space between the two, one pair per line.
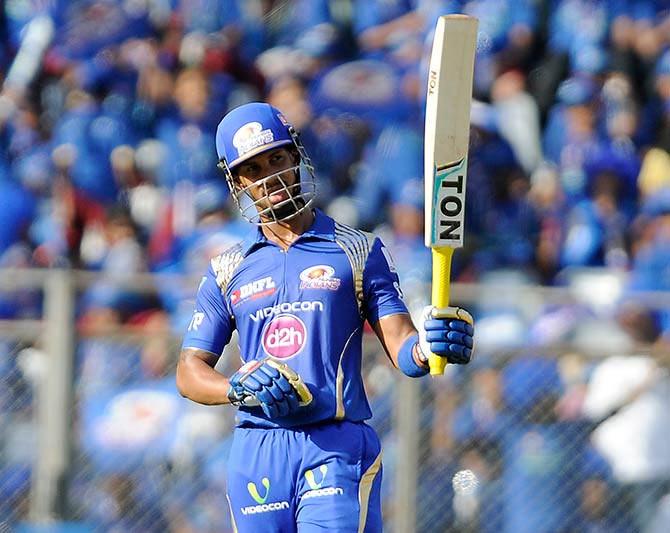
305,307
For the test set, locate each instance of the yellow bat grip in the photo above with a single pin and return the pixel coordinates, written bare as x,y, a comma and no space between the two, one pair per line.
440,297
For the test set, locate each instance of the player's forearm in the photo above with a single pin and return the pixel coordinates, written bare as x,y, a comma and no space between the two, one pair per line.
393,331
200,382
410,342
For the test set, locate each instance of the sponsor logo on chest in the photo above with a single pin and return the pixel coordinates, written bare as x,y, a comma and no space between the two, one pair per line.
285,307
253,290
284,336
319,277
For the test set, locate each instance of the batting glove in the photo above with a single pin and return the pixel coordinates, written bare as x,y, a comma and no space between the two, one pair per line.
449,331
272,386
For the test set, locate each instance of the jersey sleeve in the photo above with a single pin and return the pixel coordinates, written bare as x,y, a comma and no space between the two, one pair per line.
381,285
211,325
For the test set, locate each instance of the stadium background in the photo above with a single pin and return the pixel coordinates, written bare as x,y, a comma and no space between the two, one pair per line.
110,205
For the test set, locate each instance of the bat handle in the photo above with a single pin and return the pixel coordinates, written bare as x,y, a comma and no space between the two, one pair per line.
440,296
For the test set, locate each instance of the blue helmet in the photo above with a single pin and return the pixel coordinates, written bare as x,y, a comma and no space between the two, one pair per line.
249,130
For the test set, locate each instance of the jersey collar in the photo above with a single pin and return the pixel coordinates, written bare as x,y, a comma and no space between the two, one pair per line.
323,228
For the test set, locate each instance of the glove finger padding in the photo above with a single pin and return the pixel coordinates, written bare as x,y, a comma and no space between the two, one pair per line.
438,324
297,384
455,351
269,380
450,333
273,386
437,335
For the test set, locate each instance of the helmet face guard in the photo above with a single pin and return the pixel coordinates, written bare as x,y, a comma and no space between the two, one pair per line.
299,195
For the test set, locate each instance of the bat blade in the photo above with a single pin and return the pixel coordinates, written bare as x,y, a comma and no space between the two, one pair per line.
447,128
447,133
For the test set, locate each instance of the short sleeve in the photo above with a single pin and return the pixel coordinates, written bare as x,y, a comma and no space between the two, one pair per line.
381,285
211,325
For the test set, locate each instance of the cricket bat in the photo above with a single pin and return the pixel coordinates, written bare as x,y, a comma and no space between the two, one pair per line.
447,134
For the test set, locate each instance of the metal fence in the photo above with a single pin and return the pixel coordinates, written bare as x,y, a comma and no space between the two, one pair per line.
560,423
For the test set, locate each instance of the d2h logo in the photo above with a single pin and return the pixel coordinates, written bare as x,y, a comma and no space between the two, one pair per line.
284,337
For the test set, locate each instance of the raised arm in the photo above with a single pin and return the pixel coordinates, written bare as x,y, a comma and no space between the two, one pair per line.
393,331
449,332
449,335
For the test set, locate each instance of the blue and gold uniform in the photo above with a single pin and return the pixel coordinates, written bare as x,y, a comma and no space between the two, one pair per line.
319,468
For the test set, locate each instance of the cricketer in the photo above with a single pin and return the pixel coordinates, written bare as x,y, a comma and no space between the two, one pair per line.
298,291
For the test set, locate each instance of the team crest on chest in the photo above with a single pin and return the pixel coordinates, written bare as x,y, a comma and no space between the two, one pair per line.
319,277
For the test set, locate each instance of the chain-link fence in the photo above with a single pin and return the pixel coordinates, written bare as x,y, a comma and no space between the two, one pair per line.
18,396
154,461
560,423
17,430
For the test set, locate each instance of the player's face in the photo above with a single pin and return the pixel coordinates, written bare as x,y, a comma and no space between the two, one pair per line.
270,178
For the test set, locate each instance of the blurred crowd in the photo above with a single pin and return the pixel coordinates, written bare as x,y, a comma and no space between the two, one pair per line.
108,111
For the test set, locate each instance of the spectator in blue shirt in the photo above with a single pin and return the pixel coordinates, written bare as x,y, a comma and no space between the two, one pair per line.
536,448
597,497
188,133
17,209
651,259
498,204
397,154
595,227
